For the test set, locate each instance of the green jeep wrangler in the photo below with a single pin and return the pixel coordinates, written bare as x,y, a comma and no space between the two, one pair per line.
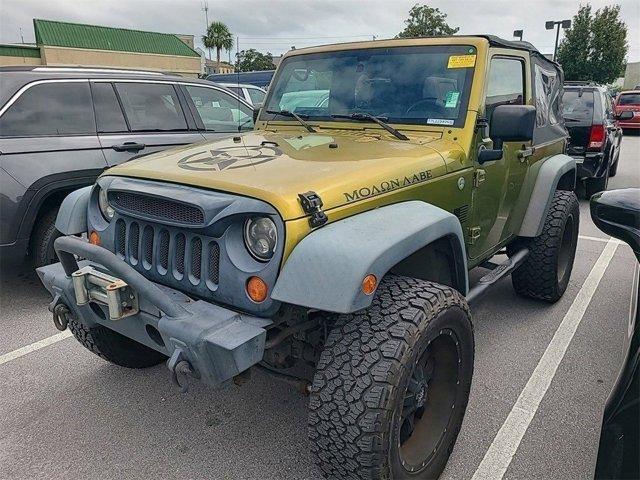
331,246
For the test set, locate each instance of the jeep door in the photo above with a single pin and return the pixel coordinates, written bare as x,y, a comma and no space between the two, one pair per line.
48,142
138,117
217,113
498,183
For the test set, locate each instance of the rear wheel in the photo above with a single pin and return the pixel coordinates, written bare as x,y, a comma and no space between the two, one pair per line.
596,185
545,273
614,168
44,234
392,384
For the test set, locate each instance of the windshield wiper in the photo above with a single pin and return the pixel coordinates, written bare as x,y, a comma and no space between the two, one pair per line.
287,113
372,118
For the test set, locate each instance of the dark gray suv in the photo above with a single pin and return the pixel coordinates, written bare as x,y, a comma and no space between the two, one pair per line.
61,127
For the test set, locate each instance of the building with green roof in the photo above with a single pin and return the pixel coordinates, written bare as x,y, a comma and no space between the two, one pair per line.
77,44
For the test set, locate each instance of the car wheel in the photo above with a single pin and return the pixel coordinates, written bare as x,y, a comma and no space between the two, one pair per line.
113,347
44,234
545,273
392,384
596,185
614,168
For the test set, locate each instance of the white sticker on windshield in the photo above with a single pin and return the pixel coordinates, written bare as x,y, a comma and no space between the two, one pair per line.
439,121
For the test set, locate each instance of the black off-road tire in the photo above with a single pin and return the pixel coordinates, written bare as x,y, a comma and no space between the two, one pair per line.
545,273
44,234
362,377
114,347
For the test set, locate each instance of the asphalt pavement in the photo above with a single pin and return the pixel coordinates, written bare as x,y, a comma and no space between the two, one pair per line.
66,413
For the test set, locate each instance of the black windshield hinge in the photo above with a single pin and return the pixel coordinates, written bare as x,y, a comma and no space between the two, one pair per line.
312,205
481,122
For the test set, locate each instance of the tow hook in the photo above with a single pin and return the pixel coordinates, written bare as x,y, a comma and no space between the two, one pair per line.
179,366
60,313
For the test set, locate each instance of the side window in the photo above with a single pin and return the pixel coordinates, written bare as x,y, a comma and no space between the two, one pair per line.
219,111
55,108
506,84
547,96
109,116
257,96
151,106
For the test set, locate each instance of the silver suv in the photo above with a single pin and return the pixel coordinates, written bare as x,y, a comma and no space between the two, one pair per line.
61,127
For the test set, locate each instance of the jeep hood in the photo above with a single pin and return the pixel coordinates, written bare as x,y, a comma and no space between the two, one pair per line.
341,166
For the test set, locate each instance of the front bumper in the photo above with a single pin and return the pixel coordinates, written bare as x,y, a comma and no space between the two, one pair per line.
590,165
217,343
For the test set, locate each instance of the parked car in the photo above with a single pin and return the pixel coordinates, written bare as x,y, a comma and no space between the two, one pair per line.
62,127
629,101
337,236
617,213
250,93
260,78
595,135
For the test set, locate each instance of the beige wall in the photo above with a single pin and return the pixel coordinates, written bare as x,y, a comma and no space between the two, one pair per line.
13,61
632,75
62,56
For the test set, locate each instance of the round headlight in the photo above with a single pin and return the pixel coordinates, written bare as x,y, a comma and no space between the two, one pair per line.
260,237
107,210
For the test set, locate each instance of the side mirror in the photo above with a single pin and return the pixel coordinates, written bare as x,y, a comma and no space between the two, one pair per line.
617,213
509,123
256,112
626,115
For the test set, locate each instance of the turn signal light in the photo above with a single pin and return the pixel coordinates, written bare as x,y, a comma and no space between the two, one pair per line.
369,284
257,289
94,238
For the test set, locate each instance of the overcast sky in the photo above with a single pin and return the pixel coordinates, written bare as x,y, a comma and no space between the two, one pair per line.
276,25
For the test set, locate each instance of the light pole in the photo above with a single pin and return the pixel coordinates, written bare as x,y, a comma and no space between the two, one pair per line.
560,23
518,34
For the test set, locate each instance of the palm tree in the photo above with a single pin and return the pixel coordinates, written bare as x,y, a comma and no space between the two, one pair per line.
218,36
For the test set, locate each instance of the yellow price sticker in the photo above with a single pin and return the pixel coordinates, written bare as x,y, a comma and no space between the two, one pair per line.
461,61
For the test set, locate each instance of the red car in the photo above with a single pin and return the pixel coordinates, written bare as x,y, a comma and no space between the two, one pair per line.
629,101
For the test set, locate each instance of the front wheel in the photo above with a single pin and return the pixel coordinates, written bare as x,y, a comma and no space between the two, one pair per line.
392,384
545,273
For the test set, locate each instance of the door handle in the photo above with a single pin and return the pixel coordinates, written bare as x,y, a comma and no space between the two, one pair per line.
128,147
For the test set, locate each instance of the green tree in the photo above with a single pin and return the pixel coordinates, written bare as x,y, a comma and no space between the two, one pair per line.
252,60
425,21
219,37
595,46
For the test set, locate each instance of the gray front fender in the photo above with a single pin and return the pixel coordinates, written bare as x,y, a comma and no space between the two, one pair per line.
326,269
72,216
546,184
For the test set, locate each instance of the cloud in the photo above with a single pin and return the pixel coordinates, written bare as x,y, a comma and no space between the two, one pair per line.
276,25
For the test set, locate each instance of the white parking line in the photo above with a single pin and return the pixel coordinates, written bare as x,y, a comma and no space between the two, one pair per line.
505,444
598,239
45,342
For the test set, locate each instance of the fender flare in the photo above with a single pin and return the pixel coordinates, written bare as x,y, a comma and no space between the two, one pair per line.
326,269
72,216
549,175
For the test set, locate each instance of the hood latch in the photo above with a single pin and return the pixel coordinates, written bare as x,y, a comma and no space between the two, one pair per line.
312,205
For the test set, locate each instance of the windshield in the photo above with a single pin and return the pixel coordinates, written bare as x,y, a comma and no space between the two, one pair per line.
425,85
629,99
577,105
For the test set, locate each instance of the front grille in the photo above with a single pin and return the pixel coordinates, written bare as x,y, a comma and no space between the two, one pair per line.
157,249
156,208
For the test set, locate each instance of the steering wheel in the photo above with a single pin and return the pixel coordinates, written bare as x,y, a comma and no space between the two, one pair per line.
430,101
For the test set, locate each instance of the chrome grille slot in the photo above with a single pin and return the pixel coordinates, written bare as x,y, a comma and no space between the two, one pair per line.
156,207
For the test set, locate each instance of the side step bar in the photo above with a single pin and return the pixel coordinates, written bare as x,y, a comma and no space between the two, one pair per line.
498,272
